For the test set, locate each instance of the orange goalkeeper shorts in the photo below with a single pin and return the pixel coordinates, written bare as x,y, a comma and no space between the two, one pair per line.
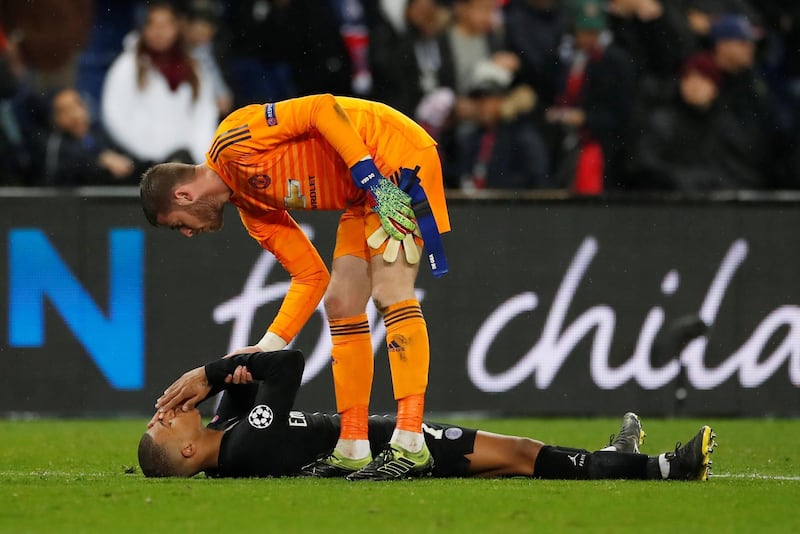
359,222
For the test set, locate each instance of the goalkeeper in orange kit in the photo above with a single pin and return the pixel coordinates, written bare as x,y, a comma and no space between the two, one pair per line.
328,153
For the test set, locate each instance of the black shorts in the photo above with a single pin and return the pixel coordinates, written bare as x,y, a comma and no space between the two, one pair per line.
449,444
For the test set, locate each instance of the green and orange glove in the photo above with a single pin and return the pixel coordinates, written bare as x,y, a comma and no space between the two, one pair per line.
389,202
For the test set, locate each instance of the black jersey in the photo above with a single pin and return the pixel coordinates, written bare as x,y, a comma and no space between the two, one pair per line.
265,437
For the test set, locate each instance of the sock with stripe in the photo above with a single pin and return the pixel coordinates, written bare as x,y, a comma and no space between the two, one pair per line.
409,357
352,368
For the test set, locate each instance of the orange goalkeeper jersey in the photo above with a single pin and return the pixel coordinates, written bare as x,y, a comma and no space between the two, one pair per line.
297,154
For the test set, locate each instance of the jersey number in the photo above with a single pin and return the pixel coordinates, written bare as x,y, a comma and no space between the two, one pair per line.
437,433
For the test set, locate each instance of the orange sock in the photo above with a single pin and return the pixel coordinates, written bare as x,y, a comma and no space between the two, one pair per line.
409,357
354,423
352,373
410,411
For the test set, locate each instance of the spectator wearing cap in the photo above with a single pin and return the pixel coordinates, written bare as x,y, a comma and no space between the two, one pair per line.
505,151
698,17
596,89
745,94
734,43
693,144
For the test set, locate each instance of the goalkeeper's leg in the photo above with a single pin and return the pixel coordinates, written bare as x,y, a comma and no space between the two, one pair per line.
409,357
352,366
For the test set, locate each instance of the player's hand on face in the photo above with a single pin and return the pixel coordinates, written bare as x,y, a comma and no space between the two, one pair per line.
243,350
184,393
239,376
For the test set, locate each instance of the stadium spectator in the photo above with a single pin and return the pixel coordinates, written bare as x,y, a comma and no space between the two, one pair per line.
15,158
745,94
317,152
413,70
506,151
49,35
407,59
256,433
78,152
157,103
693,144
593,104
199,31
319,40
475,34
355,33
534,31
699,17
657,40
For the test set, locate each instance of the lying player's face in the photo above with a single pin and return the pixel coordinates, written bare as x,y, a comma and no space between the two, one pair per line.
200,217
175,427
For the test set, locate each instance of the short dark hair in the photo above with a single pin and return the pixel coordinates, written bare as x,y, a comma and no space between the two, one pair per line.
157,184
153,459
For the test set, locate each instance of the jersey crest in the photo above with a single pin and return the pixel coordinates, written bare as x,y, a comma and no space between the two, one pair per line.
260,181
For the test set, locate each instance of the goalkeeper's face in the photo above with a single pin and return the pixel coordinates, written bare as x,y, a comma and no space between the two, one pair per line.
203,215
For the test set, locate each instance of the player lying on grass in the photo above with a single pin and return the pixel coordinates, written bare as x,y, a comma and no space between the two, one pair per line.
256,433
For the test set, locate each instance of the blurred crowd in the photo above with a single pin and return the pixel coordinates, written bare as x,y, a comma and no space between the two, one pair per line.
589,96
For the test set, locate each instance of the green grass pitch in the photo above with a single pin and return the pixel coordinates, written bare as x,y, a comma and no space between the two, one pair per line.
75,476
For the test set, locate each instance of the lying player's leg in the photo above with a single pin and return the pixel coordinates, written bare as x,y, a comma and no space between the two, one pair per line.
497,455
630,436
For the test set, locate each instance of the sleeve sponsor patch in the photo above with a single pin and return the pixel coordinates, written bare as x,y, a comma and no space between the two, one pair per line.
269,113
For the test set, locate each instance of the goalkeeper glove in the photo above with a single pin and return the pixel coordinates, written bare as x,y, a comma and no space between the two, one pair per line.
389,202
377,238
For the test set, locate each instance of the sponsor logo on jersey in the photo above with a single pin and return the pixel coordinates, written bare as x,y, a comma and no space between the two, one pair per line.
312,193
259,181
260,416
398,345
269,112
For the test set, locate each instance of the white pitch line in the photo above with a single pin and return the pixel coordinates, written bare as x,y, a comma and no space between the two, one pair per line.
53,474
756,476
45,474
